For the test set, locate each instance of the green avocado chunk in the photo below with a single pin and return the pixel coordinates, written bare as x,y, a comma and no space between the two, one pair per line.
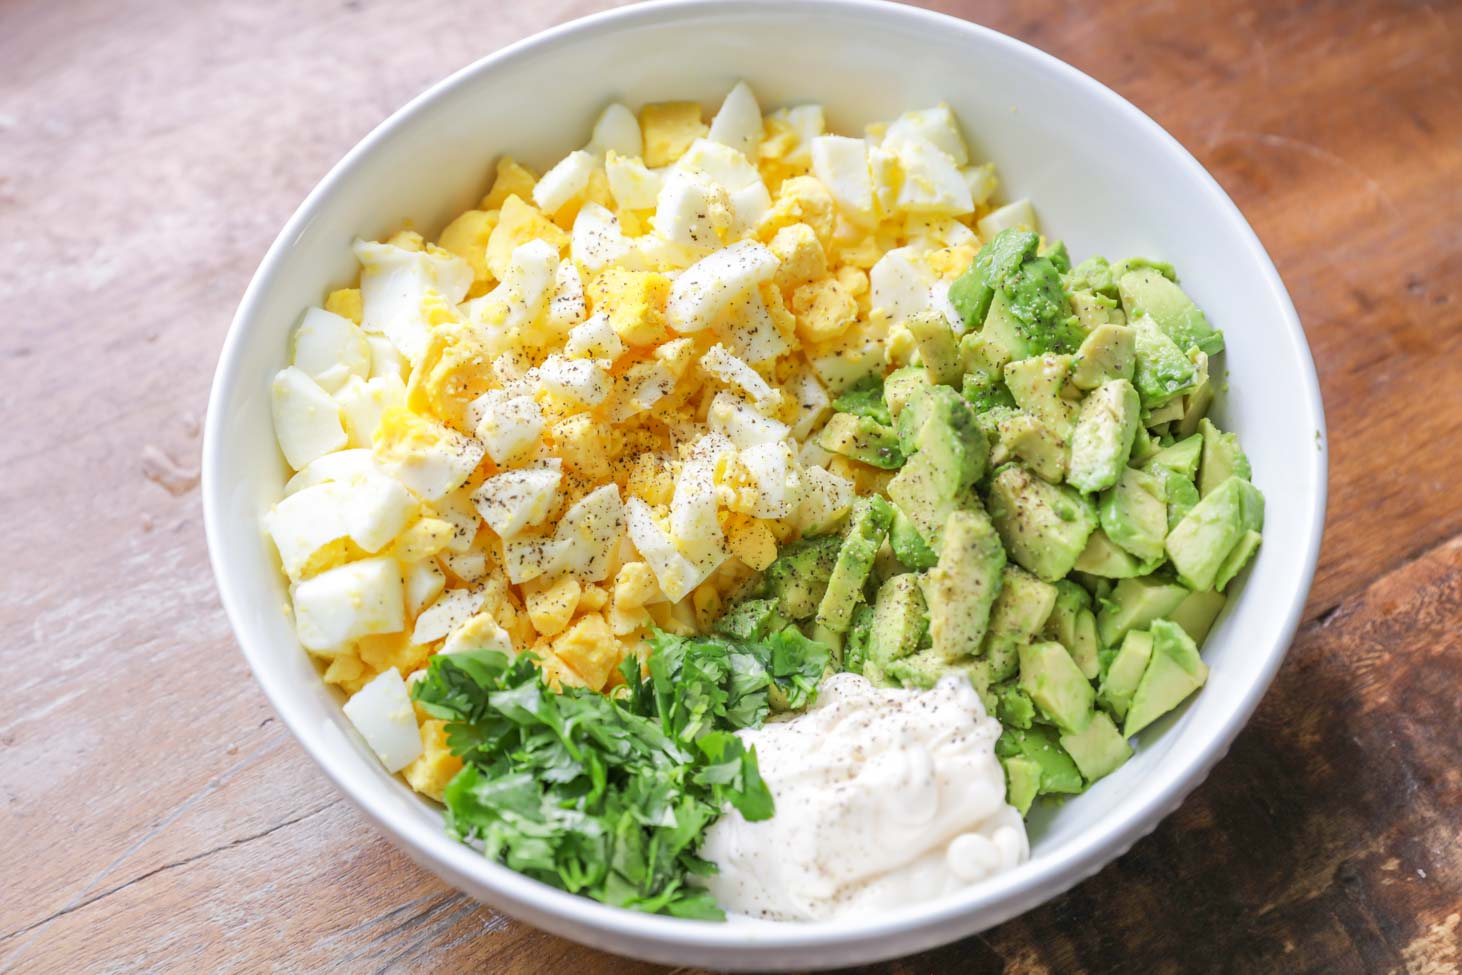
1020,611
1134,514
1222,458
1102,438
1146,291
863,439
938,348
1095,311
1056,685
1180,457
1108,352
1098,749
972,292
867,527
1036,385
1105,558
898,624
1073,625
798,578
865,398
1022,781
1163,371
1135,603
1023,438
965,584
1218,525
750,619
1058,772
949,456
901,385
855,647
1125,673
1093,274
1197,613
1174,672
1044,526
908,545
1014,706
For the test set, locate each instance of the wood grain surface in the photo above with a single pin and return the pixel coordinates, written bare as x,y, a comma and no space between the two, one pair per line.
156,817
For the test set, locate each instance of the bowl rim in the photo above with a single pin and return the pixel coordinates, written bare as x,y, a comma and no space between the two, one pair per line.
939,921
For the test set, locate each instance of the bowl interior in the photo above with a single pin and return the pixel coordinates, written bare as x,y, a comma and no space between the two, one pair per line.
1103,178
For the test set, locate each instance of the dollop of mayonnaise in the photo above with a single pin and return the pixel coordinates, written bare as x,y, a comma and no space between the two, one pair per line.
884,798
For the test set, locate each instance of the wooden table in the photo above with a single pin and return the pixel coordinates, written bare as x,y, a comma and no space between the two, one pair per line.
157,817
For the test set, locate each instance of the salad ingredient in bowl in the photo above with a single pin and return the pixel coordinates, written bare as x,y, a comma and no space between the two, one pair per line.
641,449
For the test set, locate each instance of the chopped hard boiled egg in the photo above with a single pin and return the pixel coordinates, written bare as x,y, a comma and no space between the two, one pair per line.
594,402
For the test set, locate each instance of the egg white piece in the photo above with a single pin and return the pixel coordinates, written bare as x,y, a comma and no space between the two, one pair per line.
330,349
424,581
481,632
567,307
346,603
381,711
510,427
936,125
841,164
451,609
932,182
616,130
826,500
393,284
721,364
362,401
738,124
740,423
1019,215
580,380
633,185
435,463
594,338
568,179
588,533
515,499
307,421
770,467
707,288
340,465
596,241
813,402
692,210
675,574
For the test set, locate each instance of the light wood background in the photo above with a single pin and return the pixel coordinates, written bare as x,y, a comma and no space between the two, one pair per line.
154,816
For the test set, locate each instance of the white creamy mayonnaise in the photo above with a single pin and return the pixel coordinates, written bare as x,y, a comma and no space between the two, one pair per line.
884,798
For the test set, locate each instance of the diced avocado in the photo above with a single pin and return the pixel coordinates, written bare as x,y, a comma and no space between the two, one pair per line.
1036,385
1236,559
855,646
1092,274
950,453
1163,371
1013,705
1181,457
1058,772
938,348
1108,352
1181,496
1021,609
1174,672
1197,613
865,398
1148,292
1056,685
1138,263
924,669
1021,437
1003,332
750,619
1039,305
1196,403
901,385
908,545
886,565
982,359
1022,782
1073,625
985,394
1144,447
1095,311
1134,514
1099,749
867,527
829,638
861,438
1159,418
798,578
898,621
1102,438
962,588
1044,526
1057,254
1203,540
1124,673
1133,604
1222,458
1105,558
972,292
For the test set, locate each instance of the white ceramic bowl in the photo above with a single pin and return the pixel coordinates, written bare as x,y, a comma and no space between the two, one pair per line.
1104,177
